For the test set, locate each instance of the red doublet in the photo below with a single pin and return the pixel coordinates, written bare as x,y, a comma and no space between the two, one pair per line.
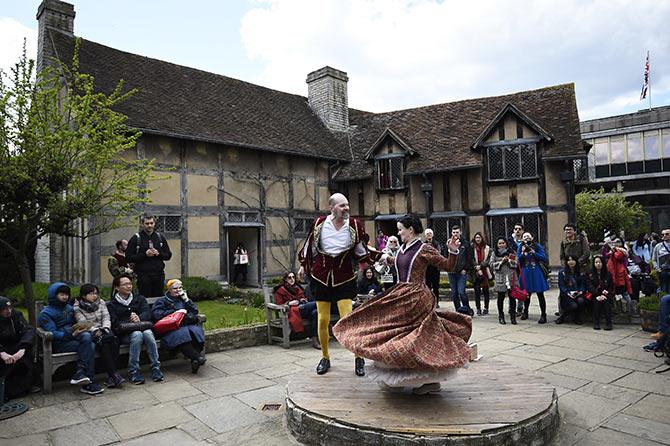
335,270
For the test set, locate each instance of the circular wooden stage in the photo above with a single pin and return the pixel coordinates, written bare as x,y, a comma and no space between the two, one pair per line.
490,403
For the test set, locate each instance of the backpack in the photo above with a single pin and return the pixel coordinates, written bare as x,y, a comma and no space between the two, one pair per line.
160,241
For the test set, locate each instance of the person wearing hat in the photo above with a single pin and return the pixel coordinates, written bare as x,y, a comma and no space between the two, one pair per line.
189,338
58,318
16,342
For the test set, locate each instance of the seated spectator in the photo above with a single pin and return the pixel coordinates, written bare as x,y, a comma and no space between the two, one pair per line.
90,309
369,284
288,292
572,288
189,338
617,265
663,319
16,344
130,317
58,318
602,292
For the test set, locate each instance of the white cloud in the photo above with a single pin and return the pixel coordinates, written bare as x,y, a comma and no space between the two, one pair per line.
12,35
409,53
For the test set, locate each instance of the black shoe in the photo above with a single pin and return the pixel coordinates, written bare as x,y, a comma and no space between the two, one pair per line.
479,312
560,319
543,319
524,316
512,317
558,313
323,366
315,343
202,360
501,319
486,311
608,326
596,326
195,365
578,321
360,367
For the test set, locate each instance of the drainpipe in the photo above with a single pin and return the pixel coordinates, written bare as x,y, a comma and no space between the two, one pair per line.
427,189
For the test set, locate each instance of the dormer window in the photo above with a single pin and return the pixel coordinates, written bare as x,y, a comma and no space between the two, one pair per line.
390,171
512,161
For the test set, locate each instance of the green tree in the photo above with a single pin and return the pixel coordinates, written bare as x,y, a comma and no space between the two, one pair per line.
61,159
598,210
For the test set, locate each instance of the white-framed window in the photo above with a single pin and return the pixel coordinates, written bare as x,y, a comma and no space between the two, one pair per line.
390,172
513,161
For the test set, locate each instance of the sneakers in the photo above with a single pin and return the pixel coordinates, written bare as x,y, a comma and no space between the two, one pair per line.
136,378
479,312
79,379
485,311
157,375
658,335
427,388
92,389
114,380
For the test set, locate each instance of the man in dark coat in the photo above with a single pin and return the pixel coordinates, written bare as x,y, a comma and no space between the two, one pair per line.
149,250
432,273
458,276
16,343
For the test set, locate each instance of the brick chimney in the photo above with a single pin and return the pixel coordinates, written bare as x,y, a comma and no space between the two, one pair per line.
52,14
327,95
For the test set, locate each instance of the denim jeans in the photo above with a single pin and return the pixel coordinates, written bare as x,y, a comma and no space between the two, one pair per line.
664,281
457,283
136,339
664,313
85,348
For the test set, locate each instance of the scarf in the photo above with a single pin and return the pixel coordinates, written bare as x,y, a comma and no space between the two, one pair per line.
89,307
480,252
122,301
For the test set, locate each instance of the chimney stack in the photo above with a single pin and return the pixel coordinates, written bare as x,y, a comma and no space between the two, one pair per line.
52,14
327,95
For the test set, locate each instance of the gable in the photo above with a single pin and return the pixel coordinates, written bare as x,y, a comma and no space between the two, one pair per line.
509,124
389,143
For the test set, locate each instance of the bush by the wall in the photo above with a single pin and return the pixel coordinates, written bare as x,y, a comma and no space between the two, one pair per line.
199,288
650,303
15,293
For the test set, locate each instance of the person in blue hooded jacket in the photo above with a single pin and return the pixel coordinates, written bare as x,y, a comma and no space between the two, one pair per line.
189,338
58,318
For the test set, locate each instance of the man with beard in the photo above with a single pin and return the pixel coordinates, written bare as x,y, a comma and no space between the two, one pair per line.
432,273
149,250
335,244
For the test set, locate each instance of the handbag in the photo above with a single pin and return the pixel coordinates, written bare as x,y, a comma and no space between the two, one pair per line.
169,323
244,259
517,293
125,328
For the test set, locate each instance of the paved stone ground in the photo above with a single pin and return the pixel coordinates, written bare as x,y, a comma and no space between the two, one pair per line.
608,392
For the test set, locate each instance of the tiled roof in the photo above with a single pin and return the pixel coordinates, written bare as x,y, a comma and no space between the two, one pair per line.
442,135
190,103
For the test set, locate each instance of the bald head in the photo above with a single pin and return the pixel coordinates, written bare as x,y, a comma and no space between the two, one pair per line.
339,206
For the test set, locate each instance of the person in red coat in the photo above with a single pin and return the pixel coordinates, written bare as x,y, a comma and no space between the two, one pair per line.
288,292
617,266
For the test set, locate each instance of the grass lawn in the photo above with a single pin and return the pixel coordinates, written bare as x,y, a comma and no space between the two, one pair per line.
219,314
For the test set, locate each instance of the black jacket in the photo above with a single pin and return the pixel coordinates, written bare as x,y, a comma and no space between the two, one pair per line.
119,313
464,260
15,333
136,253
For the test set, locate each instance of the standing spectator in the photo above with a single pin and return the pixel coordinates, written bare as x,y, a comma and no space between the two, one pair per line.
289,293
481,273
16,344
642,247
381,240
661,259
617,265
89,308
240,264
458,277
149,250
189,338
572,287
575,245
117,264
432,273
531,255
503,261
600,287
515,240
131,321
58,318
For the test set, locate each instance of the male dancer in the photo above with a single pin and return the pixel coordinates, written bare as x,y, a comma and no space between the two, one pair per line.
333,248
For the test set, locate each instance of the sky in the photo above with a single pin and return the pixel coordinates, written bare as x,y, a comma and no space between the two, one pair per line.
397,53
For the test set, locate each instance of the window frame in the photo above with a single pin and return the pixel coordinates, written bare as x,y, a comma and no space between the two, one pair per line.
520,167
161,221
390,158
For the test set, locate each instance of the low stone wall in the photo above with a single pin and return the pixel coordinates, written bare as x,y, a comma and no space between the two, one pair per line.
237,337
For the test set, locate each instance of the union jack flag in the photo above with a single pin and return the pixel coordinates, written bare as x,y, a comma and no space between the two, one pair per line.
645,85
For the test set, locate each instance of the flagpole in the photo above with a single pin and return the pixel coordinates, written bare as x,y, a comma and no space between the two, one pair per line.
649,80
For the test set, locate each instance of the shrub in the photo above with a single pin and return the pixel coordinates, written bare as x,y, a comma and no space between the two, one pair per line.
40,289
199,288
650,303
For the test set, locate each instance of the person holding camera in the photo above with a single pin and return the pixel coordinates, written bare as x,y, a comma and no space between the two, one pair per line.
572,291
503,261
481,274
531,255
189,337
617,265
602,292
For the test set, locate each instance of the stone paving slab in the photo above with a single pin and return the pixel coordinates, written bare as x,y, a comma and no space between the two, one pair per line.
225,414
128,398
586,410
589,346
647,382
281,370
173,389
43,420
526,351
93,433
233,384
255,363
255,398
149,419
563,352
170,437
495,346
642,366
641,428
271,432
568,382
651,407
603,436
197,429
587,370
613,392
635,353
524,337
568,434
27,440
523,362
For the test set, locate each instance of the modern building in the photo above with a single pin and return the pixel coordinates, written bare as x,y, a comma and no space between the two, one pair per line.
632,153
244,163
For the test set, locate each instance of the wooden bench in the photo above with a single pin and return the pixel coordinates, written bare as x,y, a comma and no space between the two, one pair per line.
53,361
279,329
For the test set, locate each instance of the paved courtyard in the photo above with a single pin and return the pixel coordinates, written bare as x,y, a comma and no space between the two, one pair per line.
608,391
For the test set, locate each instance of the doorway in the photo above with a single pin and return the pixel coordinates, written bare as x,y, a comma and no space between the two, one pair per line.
250,238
